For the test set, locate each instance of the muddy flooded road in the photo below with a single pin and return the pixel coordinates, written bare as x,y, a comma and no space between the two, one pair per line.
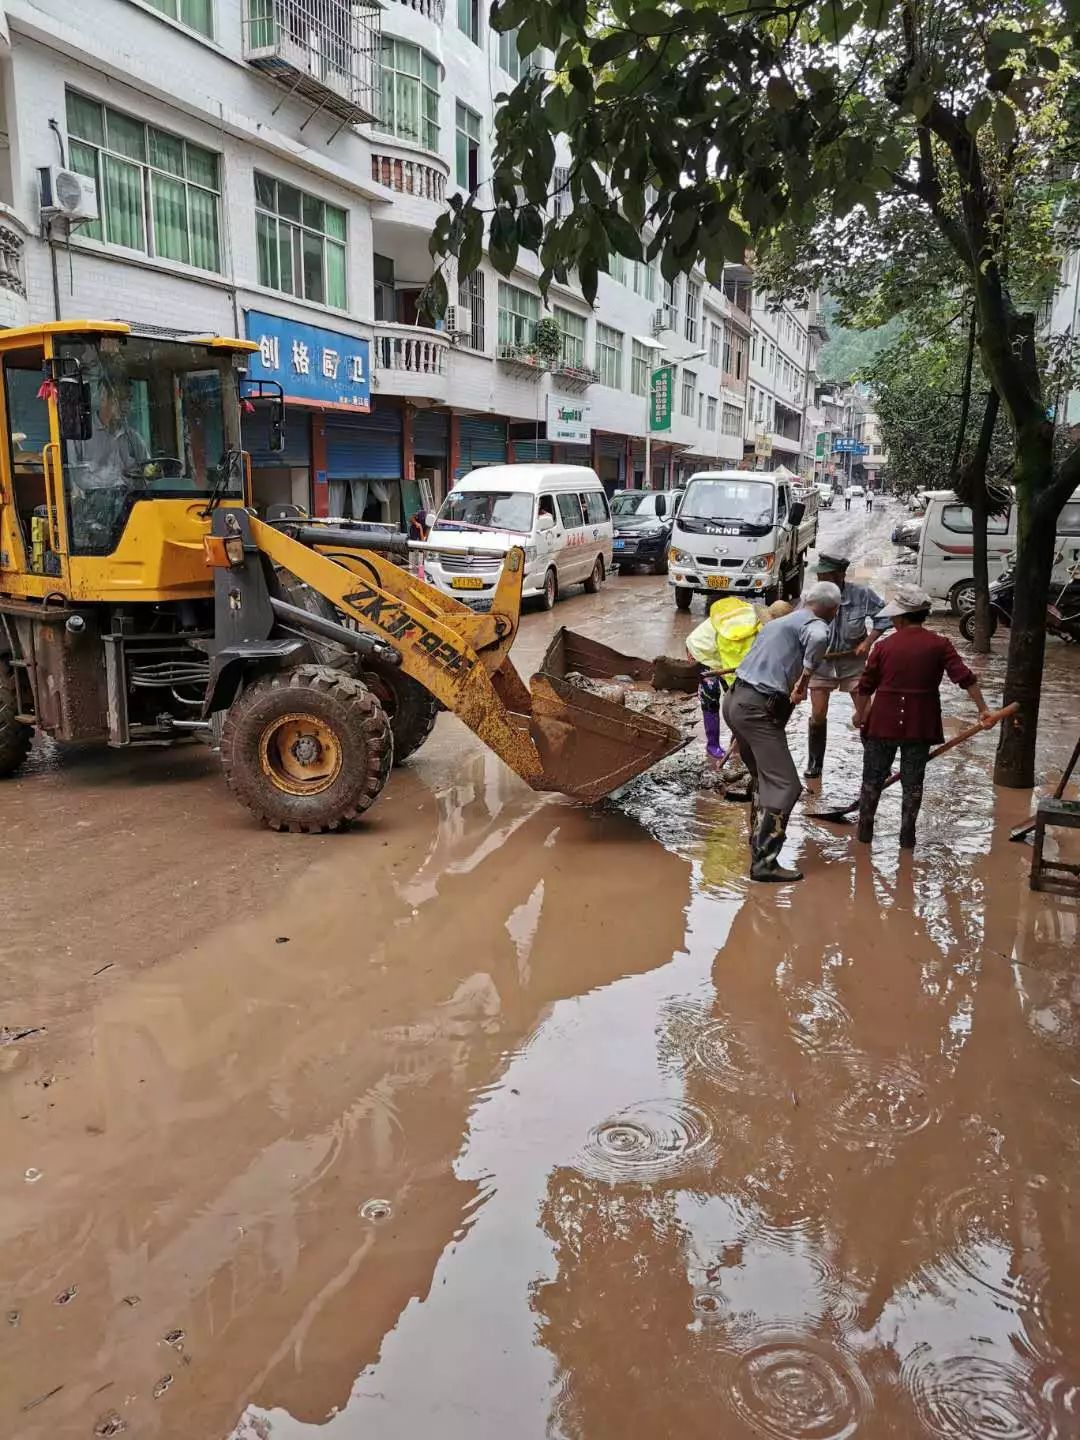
501,1116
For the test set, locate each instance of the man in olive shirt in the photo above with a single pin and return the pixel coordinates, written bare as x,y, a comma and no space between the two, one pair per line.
772,679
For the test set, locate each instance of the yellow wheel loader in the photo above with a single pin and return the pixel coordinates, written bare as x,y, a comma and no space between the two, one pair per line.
143,600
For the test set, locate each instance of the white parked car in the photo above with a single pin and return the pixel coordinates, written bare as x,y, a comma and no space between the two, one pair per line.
559,514
856,492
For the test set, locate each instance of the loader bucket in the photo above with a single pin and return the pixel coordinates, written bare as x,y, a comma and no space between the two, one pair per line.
589,745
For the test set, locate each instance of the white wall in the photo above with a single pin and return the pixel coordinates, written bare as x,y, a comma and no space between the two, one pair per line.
130,56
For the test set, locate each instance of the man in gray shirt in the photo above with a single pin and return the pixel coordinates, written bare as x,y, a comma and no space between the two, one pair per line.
772,679
850,638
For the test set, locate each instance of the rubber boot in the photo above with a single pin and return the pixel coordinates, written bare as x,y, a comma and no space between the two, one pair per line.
909,814
768,841
713,748
869,796
817,734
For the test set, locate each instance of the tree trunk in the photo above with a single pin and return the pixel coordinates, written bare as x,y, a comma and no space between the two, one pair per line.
1036,540
980,566
979,508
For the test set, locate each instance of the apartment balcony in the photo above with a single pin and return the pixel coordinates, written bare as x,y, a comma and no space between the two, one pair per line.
569,376
417,178
324,52
432,10
523,359
410,361
14,306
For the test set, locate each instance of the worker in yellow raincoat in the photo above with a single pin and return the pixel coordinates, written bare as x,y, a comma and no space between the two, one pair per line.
719,645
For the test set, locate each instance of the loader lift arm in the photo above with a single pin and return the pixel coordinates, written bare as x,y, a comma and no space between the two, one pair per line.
554,735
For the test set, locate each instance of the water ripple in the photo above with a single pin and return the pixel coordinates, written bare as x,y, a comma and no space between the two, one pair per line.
975,1397
882,1102
798,1387
652,1140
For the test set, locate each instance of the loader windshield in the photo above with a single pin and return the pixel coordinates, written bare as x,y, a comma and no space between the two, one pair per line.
164,419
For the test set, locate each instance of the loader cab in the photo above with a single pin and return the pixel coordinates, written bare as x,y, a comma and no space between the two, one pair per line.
97,424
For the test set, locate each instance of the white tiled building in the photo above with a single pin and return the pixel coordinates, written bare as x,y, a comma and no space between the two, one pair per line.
273,168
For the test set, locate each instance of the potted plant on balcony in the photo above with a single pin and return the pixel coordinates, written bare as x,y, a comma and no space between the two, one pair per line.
547,342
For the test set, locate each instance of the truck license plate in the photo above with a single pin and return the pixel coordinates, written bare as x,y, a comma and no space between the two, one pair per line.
466,582
717,582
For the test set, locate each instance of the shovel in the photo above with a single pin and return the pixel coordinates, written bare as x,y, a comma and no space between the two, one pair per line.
1021,832
841,812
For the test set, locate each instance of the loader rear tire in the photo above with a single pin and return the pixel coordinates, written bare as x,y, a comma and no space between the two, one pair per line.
411,710
306,749
15,735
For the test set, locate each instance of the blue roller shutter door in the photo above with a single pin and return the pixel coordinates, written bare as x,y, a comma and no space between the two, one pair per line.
431,433
364,447
255,437
480,442
529,451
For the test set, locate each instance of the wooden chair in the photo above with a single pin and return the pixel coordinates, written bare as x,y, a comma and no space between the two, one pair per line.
1055,875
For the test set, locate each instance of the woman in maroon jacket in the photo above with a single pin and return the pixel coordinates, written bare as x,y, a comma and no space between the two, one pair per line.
903,675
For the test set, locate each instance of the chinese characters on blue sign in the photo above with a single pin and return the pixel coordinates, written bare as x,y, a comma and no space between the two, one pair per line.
848,445
312,365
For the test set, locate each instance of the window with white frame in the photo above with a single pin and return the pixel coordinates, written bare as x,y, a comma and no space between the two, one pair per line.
731,421
195,14
715,334
710,413
727,353
470,19
301,243
753,345
693,306
514,64
572,331
640,368
671,304
689,386
519,315
644,279
561,201
157,193
467,125
471,300
617,267
410,93
609,346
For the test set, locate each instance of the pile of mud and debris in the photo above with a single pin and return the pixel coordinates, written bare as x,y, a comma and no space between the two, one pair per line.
672,707
669,695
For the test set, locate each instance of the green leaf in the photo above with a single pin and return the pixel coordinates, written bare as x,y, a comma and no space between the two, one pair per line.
503,240
472,245
624,238
1003,121
1006,40
530,33
651,22
589,276
530,228
780,93
1047,59
594,185
505,14
979,114
876,13
610,47
435,296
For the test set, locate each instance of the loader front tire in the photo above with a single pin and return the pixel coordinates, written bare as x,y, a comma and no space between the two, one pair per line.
15,735
306,749
411,710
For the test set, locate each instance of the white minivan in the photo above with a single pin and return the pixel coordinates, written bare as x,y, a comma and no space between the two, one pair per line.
559,514
945,569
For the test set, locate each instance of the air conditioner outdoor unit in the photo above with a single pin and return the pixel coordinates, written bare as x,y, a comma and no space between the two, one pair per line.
457,320
65,193
660,321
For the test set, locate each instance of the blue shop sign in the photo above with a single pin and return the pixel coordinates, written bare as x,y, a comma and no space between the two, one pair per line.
313,366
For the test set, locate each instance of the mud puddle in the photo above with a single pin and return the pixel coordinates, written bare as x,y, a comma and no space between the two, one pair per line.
539,1123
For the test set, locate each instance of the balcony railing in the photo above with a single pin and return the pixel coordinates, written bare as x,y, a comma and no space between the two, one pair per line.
11,250
408,349
326,52
432,10
409,176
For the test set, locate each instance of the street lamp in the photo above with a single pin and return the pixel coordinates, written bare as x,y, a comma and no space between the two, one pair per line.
651,344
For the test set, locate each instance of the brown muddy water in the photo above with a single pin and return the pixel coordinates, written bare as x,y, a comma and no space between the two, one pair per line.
505,1117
